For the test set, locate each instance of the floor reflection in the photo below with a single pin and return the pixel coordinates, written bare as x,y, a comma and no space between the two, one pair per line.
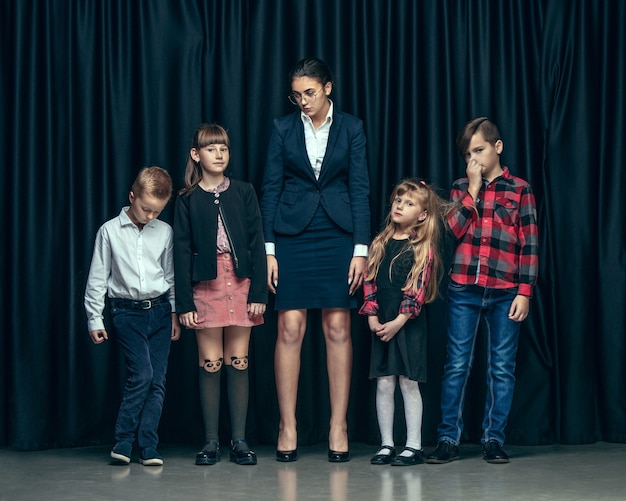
393,484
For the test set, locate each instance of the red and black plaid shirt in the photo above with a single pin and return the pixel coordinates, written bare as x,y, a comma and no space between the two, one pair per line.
497,239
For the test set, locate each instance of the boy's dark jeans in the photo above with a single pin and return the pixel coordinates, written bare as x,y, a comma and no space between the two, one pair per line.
145,337
466,305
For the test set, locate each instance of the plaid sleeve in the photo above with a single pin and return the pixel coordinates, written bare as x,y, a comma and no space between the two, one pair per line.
528,264
370,303
464,212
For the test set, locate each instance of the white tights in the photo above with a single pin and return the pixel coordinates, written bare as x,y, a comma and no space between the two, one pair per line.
413,409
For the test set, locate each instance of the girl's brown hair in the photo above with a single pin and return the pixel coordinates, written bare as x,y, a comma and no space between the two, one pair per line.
203,136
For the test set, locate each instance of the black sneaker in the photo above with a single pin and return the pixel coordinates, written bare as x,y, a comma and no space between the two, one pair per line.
444,453
121,453
150,457
493,453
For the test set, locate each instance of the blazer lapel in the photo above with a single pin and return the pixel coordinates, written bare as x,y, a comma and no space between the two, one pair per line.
301,144
332,141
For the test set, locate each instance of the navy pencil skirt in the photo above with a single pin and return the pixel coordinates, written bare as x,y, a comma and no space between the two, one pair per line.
313,266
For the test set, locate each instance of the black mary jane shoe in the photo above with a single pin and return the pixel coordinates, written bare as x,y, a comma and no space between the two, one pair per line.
286,456
210,453
384,458
241,453
416,457
338,457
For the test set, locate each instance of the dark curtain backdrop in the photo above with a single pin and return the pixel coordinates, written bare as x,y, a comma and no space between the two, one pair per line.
91,91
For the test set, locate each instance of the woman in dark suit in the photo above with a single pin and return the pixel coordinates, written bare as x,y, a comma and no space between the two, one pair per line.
316,222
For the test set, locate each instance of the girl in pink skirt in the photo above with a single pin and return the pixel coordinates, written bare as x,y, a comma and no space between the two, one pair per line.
221,283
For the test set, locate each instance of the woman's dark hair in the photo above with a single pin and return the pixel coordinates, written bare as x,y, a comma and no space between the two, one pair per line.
312,68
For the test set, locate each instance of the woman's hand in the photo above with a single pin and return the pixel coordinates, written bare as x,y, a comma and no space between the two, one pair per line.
272,273
355,274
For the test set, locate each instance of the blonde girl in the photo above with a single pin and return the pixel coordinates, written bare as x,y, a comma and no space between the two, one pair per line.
404,267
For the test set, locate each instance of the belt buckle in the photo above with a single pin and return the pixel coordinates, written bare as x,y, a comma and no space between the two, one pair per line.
145,304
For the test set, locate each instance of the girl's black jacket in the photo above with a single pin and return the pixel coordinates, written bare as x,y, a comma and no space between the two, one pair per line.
195,234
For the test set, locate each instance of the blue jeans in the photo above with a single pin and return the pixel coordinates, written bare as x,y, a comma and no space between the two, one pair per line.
466,305
145,337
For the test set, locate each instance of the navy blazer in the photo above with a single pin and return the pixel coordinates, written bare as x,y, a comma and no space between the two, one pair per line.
290,192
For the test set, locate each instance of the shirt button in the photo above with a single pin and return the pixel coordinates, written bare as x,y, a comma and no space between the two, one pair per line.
232,311
229,284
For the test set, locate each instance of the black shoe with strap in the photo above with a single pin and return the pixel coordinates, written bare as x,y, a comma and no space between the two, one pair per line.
383,458
444,453
241,453
493,453
210,453
402,459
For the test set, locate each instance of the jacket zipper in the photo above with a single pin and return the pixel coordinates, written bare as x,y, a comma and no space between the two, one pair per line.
230,240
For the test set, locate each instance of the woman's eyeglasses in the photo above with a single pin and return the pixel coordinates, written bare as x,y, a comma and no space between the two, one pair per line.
310,95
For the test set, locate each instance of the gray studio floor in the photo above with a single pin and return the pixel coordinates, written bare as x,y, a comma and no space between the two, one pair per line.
587,472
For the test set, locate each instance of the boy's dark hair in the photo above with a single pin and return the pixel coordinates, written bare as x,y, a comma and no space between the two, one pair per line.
482,124
153,181
312,68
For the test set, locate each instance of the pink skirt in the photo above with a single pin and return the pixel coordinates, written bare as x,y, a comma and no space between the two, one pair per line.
224,301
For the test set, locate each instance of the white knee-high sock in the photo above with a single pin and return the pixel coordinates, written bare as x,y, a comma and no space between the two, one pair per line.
413,409
385,407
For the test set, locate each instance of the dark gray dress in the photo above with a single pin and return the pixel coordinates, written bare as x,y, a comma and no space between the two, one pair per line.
405,354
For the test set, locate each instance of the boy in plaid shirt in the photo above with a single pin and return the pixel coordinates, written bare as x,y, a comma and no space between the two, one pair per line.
494,270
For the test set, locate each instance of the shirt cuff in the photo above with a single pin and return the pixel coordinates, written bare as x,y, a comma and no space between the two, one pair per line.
95,324
360,250
270,248
525,290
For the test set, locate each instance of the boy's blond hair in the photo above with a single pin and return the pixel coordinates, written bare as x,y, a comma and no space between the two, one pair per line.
153,181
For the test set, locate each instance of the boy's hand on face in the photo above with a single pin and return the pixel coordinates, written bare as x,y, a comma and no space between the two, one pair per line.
475,177
98,336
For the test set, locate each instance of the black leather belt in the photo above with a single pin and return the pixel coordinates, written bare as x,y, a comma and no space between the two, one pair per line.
140,304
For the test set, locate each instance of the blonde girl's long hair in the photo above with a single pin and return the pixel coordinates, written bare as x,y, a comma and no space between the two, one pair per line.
423,241
204,135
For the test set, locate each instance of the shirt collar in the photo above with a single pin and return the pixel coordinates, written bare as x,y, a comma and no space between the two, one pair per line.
329,115
125,220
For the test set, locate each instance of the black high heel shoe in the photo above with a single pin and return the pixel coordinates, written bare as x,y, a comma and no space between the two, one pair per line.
286,456
338,457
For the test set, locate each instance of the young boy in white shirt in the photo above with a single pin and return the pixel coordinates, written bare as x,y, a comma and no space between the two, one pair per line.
132,263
